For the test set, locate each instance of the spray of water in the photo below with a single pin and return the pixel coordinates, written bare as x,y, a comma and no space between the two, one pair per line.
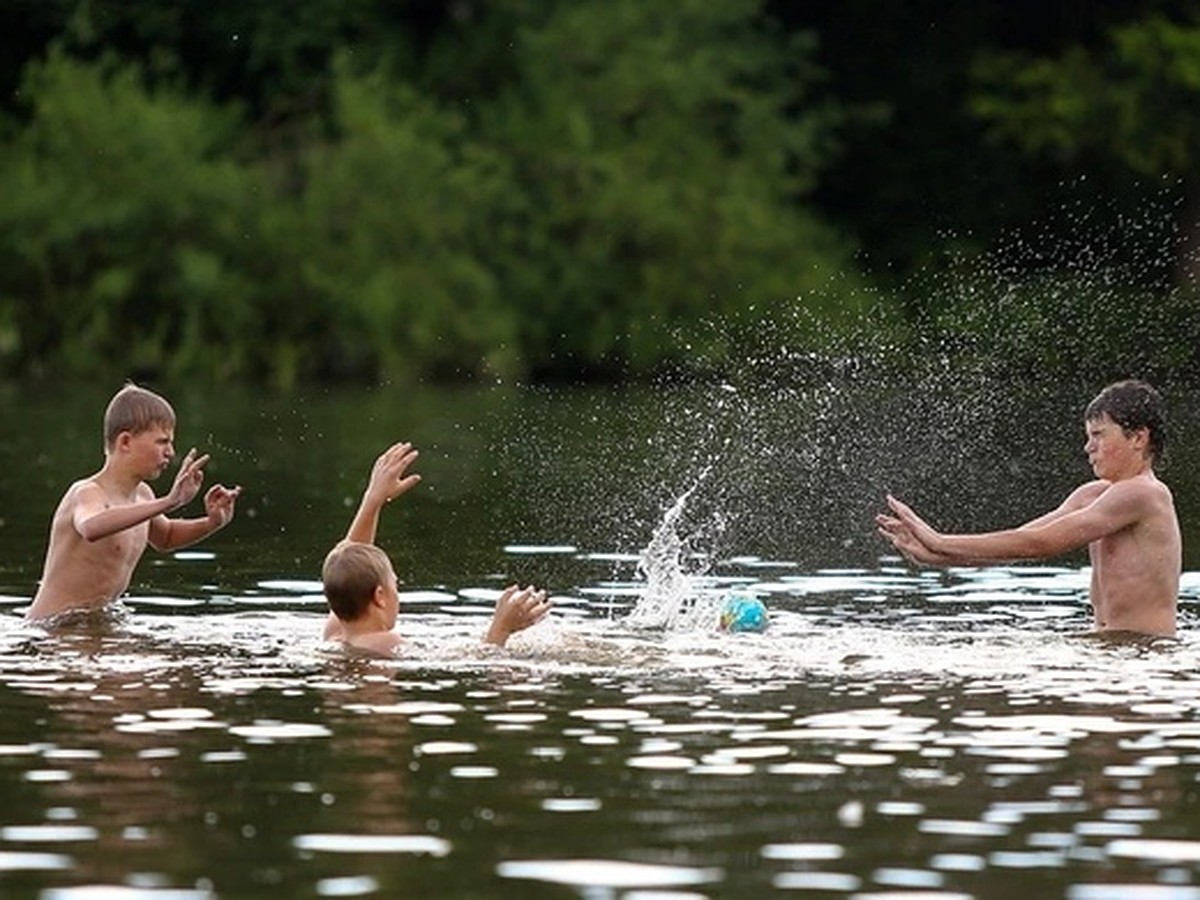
675,571
784,448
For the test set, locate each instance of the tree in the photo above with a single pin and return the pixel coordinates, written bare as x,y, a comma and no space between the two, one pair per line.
125,211
662,156
1135,100
391,214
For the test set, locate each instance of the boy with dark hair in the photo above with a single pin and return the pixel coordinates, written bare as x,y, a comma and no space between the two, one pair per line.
104,522
360,583
1126,518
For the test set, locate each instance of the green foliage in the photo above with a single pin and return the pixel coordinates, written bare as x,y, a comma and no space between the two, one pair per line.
550,187
123,207
1138,98
661,155
394,212
628,175
1062,324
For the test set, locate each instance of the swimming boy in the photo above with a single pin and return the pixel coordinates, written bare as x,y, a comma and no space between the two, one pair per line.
1126,518
360,583
104,522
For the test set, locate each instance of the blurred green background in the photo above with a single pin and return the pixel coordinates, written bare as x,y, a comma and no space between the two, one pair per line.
362,191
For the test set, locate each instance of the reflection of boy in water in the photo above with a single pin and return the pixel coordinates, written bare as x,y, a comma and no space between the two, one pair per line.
104,522
360,583
1126,517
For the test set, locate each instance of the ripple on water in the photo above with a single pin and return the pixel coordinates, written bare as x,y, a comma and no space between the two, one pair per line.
1132,892
21,861
605,873
419,844
125,892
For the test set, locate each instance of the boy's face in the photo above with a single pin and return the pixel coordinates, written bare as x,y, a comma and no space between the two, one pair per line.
1111,449
149,452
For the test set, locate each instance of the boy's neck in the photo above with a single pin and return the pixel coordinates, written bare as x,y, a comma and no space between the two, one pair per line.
1144,467
117,479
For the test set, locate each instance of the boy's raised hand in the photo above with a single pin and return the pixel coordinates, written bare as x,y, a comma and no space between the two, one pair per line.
218,504
188,479
388,480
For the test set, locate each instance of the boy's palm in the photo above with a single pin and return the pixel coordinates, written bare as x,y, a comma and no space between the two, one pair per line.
219,501
188,479
388,480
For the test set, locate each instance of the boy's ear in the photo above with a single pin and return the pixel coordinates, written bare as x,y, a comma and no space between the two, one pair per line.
123,440
379,597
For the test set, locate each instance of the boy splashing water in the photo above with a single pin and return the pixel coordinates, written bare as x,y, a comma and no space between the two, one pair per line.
104,522
1126,518
360,583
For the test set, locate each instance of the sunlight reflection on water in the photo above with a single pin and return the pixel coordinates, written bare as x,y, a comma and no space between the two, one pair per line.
896,733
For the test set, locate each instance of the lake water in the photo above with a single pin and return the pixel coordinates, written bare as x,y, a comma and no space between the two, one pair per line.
894,733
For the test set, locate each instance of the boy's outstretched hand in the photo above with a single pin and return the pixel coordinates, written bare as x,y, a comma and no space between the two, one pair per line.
218,504
907,533
516,610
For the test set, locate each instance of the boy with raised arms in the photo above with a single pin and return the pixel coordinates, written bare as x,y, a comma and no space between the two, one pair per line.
360,583
104,522
1125,517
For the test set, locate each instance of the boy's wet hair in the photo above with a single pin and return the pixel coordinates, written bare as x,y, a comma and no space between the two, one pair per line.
1133,404
135,409
350,575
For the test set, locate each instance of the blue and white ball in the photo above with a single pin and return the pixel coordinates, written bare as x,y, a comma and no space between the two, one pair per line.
742,612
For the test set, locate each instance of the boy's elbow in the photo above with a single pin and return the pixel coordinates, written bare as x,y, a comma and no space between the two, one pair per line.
90,533
163,542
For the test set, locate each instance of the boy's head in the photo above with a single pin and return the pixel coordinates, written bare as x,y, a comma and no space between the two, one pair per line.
1133,405
351,575
135,409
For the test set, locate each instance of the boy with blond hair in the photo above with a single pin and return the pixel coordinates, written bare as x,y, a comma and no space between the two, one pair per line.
104,522
360,583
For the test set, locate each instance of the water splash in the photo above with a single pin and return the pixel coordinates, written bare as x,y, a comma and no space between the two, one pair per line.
678,592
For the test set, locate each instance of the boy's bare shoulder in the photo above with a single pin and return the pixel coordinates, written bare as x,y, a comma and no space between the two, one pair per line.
79,490
1145,491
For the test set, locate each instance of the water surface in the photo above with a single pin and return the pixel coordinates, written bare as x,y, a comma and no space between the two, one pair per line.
895,732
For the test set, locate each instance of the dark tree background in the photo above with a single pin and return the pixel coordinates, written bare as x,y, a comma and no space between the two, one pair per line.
325,190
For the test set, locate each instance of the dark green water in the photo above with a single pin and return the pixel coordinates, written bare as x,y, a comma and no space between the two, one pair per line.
894,731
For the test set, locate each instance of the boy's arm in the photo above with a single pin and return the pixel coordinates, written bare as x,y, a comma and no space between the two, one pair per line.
905,541
94,518
387,482
171,534
516,610
1117,506
1077,499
